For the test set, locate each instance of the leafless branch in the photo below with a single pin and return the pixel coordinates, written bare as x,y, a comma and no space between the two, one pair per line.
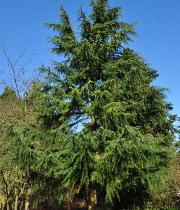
18,80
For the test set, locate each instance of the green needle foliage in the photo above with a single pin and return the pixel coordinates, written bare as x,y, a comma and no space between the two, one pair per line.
100,131
118,125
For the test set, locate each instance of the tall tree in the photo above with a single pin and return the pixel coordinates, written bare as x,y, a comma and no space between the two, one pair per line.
119,129
107,132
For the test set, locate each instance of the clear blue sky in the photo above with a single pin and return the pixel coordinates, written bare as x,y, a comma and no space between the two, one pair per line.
22,25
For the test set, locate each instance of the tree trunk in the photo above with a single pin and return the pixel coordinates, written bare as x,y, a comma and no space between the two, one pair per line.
101,199
7,206
26,202
16,202
2,203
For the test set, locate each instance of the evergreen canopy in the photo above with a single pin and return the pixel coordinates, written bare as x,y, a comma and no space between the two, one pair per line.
119,130
106,130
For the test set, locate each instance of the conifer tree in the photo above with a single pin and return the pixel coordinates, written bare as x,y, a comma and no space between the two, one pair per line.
118,124
114,131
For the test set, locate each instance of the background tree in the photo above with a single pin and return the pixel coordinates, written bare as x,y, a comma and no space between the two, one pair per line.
11,107
13,111
14,73
13,182
166,195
